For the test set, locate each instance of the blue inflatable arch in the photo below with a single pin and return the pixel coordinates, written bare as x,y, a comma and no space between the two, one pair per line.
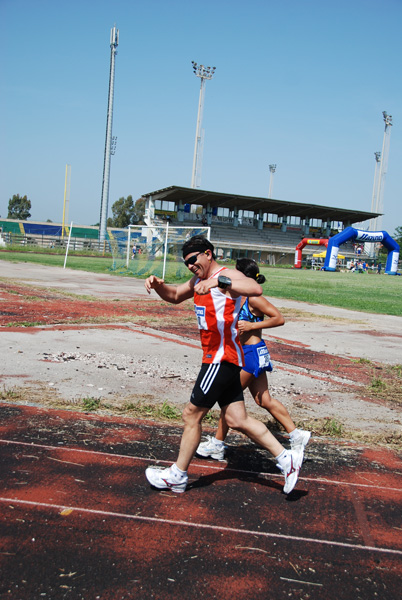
350,233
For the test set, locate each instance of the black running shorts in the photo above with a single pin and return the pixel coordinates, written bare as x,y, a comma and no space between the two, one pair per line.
217,383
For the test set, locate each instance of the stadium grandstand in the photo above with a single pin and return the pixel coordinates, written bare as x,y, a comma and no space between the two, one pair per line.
265,229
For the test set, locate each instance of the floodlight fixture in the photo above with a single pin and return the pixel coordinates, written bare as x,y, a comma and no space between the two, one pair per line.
272,169
387,119
202,71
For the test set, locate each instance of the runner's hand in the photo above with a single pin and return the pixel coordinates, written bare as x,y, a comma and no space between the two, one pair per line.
244,326
153,282
204,287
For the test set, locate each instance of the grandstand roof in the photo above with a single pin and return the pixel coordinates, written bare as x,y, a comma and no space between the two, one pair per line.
278,207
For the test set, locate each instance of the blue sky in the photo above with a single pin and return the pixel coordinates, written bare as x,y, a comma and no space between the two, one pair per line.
298,84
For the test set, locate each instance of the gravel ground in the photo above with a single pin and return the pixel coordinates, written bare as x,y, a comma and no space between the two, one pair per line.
130,362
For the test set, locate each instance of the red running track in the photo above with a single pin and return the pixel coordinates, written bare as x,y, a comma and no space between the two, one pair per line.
79,520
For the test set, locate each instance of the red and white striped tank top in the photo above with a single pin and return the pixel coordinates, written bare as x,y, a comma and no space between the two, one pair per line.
217,316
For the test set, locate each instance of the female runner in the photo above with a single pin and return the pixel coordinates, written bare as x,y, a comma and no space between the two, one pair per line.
255,315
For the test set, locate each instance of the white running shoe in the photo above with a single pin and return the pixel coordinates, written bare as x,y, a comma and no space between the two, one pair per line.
292,469
301,440
164,479
211,449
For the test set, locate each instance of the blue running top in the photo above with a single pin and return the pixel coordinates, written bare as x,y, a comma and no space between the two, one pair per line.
246,315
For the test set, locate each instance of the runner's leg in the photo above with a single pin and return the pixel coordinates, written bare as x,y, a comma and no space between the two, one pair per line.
237,418
192,417
260,392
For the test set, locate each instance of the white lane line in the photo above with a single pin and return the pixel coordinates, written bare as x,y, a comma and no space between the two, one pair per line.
204,466
221,529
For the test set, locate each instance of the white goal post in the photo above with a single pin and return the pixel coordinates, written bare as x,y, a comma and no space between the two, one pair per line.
151,244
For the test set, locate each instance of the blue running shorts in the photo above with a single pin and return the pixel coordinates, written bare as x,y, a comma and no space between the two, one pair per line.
257,358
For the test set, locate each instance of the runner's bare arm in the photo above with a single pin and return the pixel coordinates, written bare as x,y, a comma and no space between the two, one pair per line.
262,307
171,293
241,285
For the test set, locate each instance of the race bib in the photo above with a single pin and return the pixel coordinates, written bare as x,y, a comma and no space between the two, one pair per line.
264,358
200,314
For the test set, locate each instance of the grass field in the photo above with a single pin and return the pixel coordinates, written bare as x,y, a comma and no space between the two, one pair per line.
381,294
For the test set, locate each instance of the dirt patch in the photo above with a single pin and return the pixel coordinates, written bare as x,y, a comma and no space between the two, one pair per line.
22,305
122,352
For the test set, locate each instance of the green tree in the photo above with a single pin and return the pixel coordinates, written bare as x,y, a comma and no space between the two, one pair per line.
383,252
139,213
398,236
19,207
122,210
125,212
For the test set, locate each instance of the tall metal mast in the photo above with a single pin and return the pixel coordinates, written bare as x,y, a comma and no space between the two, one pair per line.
379,195
204,73
369,248
272,169
110,142
373,222
66,202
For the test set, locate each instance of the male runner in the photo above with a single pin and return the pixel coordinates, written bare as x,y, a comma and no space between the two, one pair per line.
217,295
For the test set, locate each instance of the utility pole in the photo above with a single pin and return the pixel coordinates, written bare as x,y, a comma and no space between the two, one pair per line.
370,248
110,142
204,73
67,182
377,156
272,169
378,195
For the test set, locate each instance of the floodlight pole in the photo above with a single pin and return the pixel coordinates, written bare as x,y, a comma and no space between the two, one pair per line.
110,142
383,168
272,169
67,182
377,156
203,73
68,244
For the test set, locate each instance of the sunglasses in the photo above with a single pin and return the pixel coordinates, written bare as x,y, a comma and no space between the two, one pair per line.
193,259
